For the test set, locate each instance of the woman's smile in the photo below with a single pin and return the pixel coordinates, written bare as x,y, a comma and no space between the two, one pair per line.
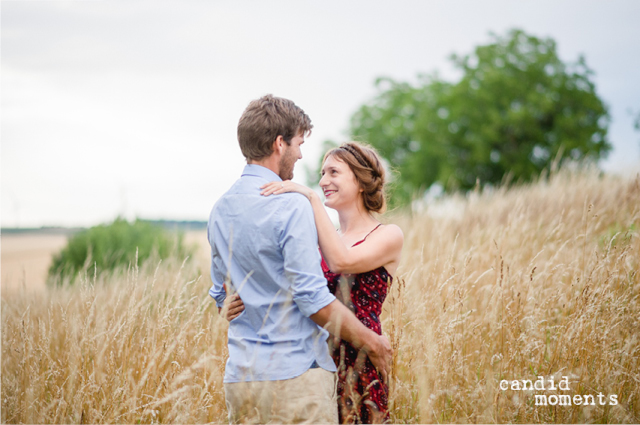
337,178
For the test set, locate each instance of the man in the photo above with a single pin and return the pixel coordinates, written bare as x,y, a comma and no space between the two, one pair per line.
266,249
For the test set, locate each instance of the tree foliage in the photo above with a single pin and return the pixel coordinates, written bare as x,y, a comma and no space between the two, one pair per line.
515,109
113,245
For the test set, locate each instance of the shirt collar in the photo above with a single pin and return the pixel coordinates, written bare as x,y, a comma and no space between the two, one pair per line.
260,171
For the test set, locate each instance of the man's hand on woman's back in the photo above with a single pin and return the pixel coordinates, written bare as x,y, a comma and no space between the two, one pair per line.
344,325
341,322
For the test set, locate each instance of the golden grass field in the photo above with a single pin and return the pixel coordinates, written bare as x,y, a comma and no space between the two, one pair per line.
537,280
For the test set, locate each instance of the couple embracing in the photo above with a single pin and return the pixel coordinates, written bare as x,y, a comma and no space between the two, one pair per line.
305,341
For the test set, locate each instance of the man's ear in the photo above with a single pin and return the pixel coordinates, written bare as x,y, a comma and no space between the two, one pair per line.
279,145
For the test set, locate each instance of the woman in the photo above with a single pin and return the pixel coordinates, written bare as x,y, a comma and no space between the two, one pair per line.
359,262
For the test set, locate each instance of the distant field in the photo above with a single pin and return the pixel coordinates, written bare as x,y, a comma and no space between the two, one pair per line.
26,257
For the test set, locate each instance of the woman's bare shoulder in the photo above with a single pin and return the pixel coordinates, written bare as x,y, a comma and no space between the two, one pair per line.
391,233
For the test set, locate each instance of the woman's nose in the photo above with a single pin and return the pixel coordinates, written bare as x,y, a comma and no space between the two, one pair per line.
322,181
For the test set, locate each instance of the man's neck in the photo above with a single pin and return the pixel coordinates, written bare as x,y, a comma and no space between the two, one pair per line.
270,162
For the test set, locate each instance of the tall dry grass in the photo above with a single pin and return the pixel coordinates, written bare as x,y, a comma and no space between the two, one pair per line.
537,280
136,346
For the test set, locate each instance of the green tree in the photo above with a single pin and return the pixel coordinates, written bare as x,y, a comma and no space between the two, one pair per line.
112,245
515,109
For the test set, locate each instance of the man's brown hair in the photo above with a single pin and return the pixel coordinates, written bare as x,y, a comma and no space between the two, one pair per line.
264,120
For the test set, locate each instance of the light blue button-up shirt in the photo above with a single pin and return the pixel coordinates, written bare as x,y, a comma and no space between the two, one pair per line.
266,249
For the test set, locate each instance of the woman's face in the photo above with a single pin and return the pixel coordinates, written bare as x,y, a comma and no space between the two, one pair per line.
339,184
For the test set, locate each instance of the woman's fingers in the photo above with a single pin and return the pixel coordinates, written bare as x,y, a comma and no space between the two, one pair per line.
270,190
235,307
274,188
235,301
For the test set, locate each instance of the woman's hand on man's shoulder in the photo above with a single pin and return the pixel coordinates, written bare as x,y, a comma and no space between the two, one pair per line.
276,188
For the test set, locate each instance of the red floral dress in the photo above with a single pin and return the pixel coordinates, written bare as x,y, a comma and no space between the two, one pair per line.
362,395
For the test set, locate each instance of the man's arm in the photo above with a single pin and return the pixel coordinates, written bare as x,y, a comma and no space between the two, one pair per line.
299,242
341,322
218,290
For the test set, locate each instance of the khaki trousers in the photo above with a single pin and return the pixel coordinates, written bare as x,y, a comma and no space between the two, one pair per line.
308,398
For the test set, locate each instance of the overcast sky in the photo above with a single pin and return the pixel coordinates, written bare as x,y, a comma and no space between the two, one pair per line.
131,107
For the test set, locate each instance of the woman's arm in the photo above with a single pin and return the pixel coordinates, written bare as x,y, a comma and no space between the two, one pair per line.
383,246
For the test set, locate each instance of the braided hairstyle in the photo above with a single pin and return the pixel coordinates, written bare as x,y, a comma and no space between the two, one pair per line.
367,167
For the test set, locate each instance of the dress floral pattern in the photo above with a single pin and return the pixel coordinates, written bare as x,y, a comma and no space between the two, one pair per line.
362,394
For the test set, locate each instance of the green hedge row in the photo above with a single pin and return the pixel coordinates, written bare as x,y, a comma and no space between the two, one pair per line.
109,246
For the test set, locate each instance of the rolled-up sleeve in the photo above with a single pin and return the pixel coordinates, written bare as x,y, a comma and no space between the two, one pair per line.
299,243
217,291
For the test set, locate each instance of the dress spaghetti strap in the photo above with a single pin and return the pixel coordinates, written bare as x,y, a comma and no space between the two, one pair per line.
365,238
